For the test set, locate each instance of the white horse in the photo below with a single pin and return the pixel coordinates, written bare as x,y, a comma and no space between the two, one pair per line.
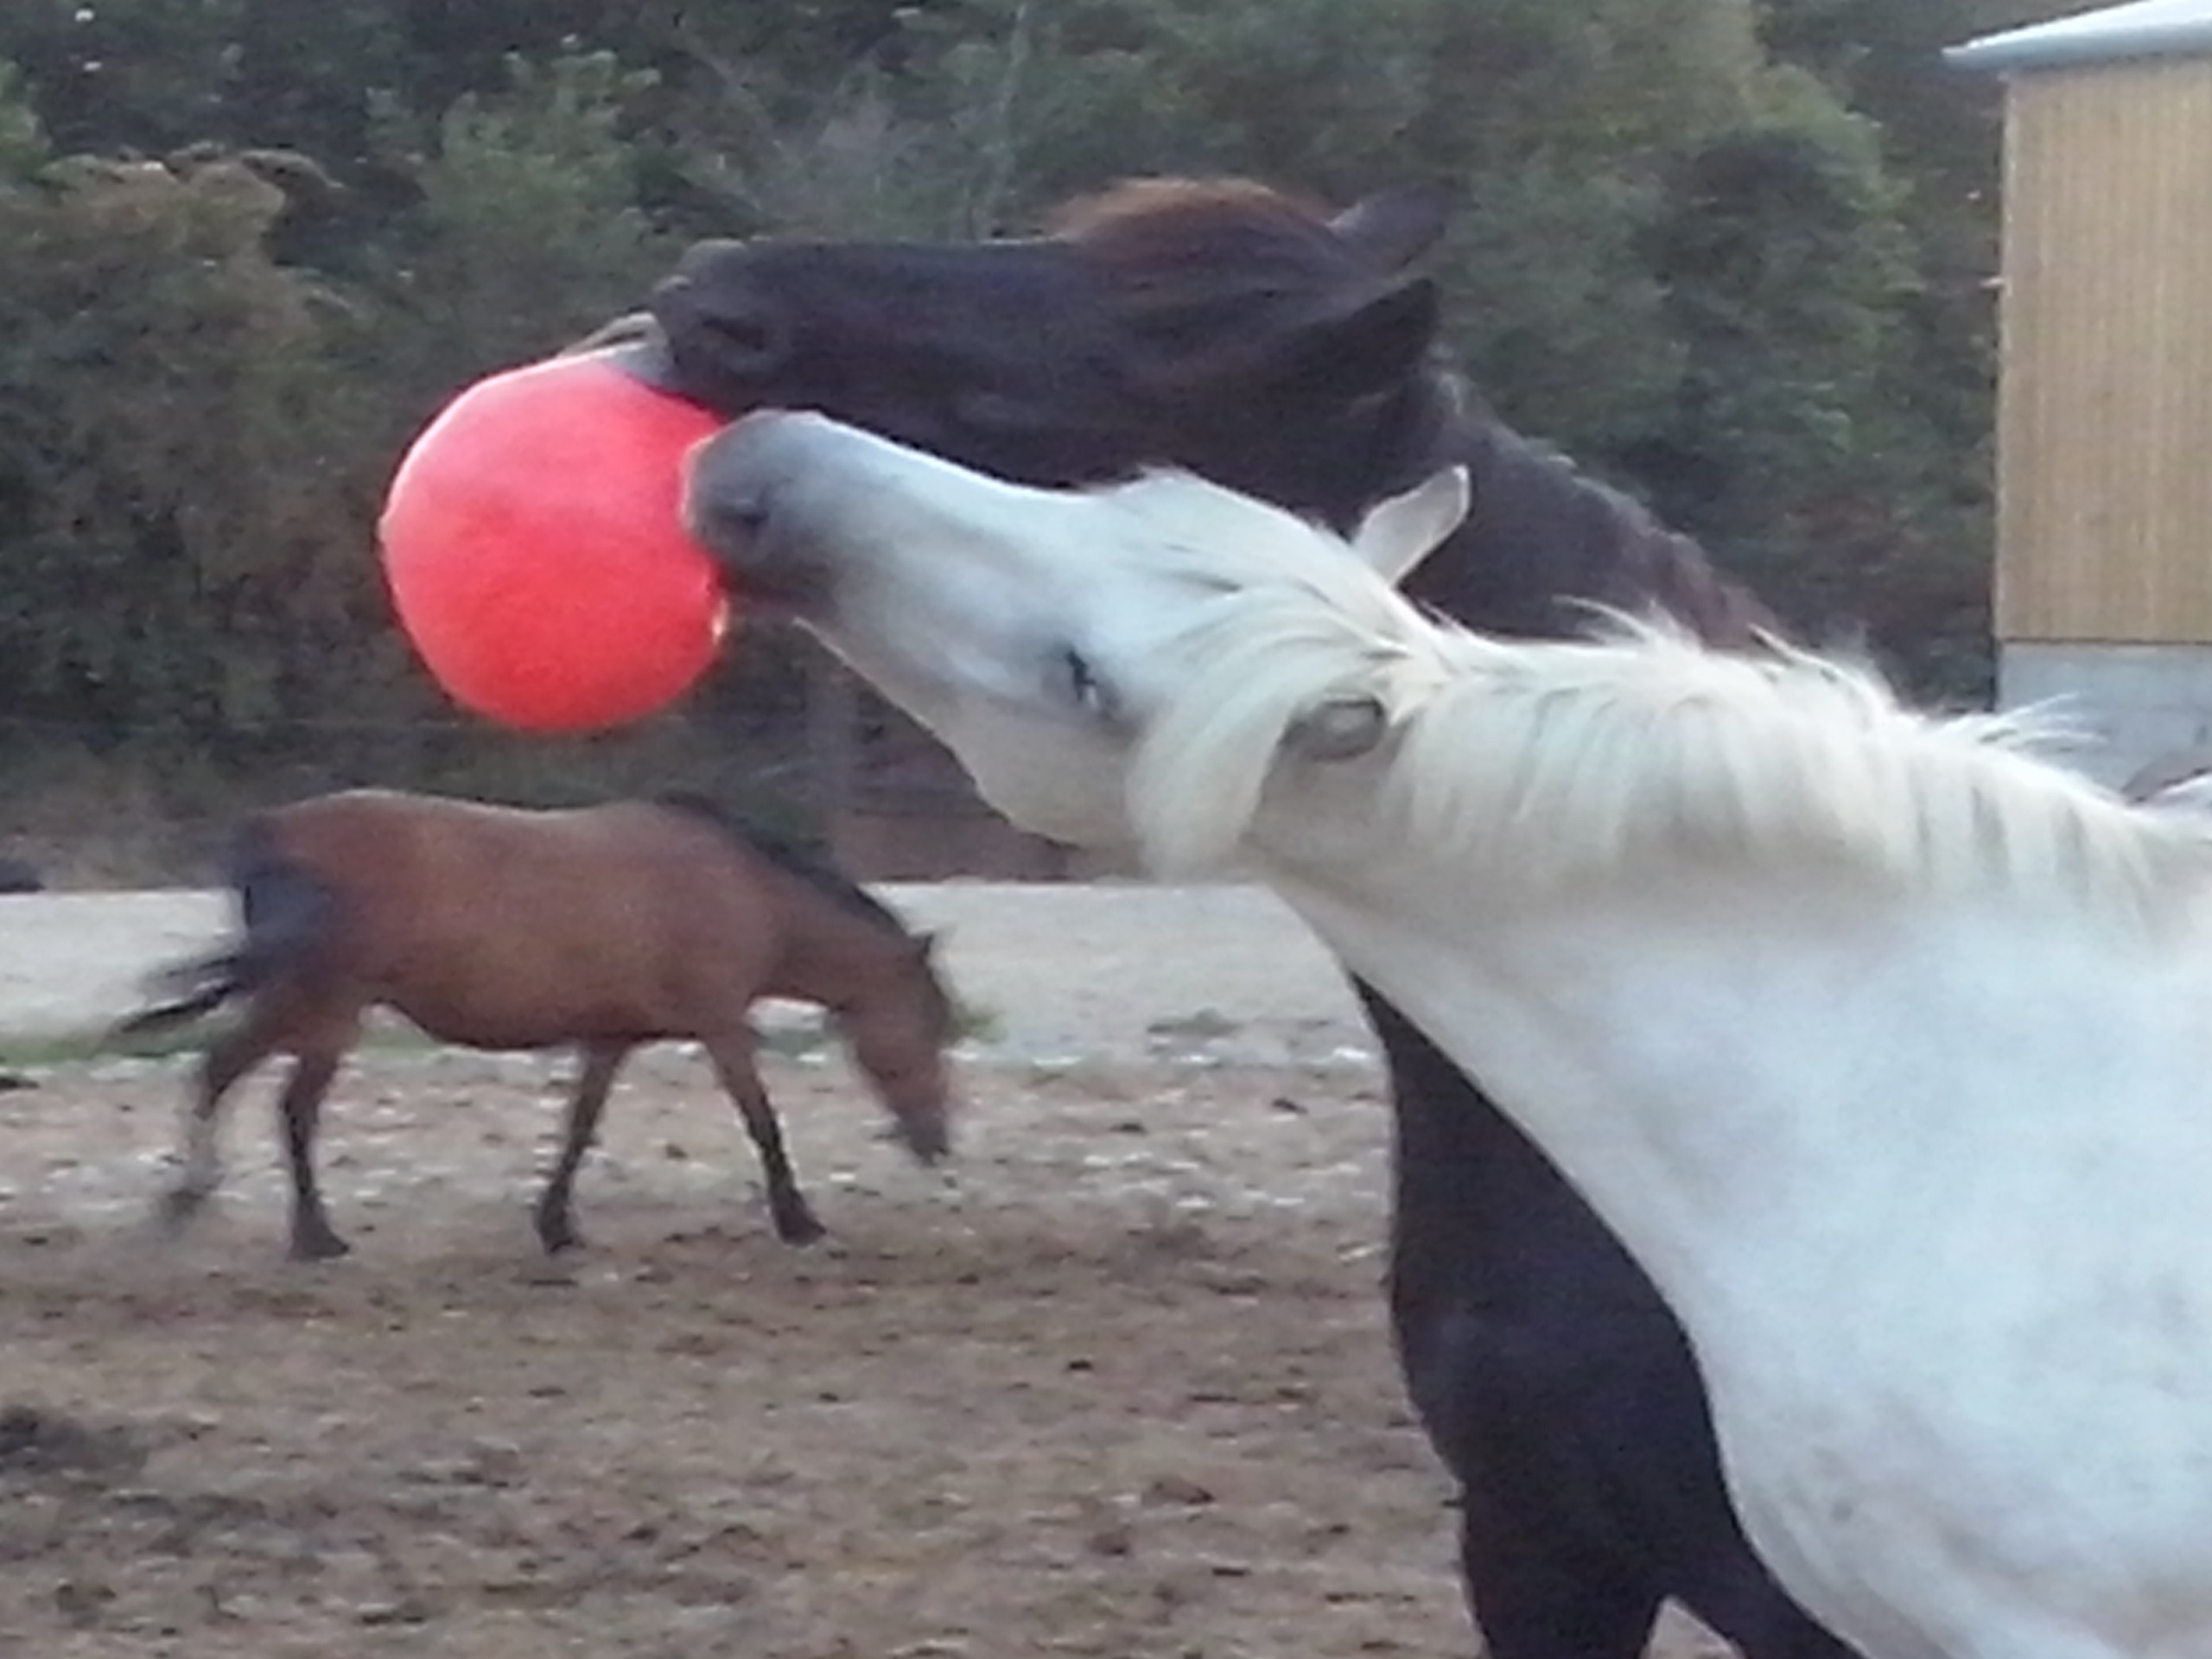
1883,1045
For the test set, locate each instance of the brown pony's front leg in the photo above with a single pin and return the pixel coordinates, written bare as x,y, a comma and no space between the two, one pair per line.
732,1054
556,1226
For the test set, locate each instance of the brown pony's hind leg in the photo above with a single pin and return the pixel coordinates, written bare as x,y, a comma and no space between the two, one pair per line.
556,1225
227,1060
299,1109
732,1054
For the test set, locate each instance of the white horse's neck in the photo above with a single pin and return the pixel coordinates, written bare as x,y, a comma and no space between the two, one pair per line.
1613,1033
1721,1054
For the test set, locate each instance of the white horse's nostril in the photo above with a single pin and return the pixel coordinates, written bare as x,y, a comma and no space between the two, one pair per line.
725,515
740,506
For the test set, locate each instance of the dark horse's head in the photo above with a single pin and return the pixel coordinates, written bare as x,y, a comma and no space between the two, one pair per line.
1222,325
1271,345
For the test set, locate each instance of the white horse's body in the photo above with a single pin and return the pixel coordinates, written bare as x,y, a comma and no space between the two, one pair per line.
1886,1048
1962,1389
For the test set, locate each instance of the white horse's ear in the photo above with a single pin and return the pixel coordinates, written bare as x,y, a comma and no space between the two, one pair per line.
1343,729
1400,533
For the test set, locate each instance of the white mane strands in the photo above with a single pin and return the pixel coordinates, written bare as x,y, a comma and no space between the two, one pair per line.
1560,762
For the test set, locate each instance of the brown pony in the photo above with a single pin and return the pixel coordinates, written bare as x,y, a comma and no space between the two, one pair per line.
606,927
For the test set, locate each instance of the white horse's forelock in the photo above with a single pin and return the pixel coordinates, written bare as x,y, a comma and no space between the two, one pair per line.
1289,621
1553,762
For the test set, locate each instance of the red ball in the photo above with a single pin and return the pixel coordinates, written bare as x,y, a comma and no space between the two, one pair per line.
534,545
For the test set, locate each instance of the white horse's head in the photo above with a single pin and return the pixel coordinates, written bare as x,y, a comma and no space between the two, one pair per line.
1041,634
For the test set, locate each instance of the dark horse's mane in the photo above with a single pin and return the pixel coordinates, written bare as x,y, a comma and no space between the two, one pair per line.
1179,248
1188,258
784,853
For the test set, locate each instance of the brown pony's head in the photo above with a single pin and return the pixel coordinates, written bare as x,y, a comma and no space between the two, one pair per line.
898,1034
1219,325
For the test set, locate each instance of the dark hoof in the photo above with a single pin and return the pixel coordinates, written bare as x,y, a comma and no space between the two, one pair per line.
929,1144
319,1245
798,1227
555,1236
178,1207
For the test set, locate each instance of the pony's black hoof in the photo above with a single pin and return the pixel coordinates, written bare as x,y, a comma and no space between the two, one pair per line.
178,1207
800,1228
558,1238
323,1246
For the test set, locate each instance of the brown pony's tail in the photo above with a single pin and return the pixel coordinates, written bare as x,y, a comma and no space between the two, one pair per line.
287,913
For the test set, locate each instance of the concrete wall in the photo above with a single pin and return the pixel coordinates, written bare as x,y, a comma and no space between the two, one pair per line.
2141,707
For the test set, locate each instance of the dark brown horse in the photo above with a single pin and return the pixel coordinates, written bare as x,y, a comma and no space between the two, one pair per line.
1291,352
606,927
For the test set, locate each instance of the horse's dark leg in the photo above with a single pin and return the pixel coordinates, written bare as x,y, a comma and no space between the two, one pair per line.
1740,1599
733,1056
227,1060
1535,1600
300,1108
1560,1391
556,1225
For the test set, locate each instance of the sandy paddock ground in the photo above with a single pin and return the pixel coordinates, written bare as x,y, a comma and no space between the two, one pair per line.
1121,1387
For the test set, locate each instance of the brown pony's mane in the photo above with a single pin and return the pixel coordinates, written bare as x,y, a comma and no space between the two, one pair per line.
1187,257
825,879
785,854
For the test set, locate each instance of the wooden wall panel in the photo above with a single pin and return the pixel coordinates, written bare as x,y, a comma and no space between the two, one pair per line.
2104,408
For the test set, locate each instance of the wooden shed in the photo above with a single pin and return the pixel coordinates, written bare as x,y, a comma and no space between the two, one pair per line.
2104,556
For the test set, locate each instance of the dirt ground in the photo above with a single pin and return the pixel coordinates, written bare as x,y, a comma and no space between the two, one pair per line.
1121,1386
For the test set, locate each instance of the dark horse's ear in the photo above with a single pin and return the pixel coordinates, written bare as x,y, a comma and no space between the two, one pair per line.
1359,327
1373,339
1391,228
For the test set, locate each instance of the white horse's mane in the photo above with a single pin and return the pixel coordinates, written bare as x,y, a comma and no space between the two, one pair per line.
1555,762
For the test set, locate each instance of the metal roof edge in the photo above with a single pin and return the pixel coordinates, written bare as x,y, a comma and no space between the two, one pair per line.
2056,46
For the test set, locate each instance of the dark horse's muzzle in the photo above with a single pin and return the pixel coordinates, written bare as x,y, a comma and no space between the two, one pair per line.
726,336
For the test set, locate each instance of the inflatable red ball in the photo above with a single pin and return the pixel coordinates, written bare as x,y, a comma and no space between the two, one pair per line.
535,549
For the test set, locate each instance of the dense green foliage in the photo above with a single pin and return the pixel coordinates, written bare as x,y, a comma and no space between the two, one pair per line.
1732,253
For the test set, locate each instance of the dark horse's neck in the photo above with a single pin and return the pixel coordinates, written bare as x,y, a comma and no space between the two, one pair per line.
1543,539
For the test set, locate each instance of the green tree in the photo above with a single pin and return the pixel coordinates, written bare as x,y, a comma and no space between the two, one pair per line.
23,149
165,521
1732,253
1691,266
525,231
